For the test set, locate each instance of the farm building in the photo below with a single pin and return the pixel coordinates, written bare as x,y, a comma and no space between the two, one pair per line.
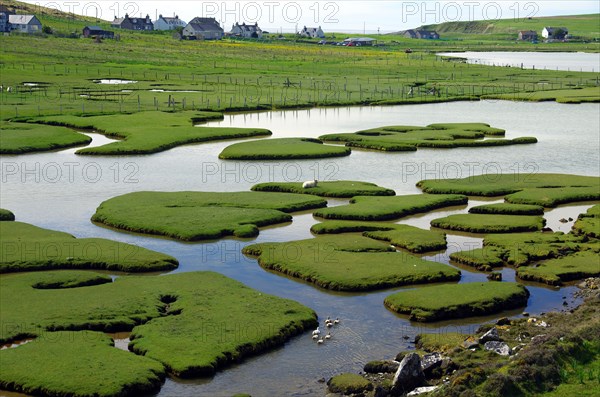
97,31
421,34
24,23
528,35
168,23
312,32
203,29
360,41
129,23
551,33
247,31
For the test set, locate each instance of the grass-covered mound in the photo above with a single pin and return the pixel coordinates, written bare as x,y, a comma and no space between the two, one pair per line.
193,323
282,149
508,209
348,263
588,224
486,223
484,259
572,95
26,247
348,383
151,131
408,237
340,189
192,216
457,300
387,208
78,364
547,190
6,215
556,271
18,138
408,138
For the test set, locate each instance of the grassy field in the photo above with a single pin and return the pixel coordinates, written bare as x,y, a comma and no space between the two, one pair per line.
507,209
193,216
150,131
489,223
6,215
193,323
408,237
557,271
533,189
18,138
282,149
588,224
168,74
340,189
457,300
348,263
387,208
407,138
26,247
78,364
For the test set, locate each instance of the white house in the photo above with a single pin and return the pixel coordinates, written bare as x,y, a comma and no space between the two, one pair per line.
168,23
247,31
312,32
24,23
555,33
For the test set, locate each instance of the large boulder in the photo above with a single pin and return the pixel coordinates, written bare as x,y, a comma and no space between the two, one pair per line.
490,336
500,348
409,375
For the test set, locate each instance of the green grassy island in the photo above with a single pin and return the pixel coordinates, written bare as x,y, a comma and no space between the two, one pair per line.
408,237
547,190
340,189
193,323
407,138
193,216
150,131
457,300
348,263
486,223
19,138
388,208
26,247
282,149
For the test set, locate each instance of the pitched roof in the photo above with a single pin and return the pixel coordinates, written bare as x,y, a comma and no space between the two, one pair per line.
205,24
93,27
21,19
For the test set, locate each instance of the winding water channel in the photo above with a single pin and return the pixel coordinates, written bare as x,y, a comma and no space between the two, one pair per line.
61,191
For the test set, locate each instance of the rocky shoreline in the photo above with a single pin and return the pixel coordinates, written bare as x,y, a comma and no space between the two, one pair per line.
528,349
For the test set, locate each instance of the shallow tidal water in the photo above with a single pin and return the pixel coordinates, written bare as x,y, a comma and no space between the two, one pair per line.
60,190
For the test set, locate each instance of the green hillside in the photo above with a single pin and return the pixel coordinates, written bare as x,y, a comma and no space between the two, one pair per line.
586,27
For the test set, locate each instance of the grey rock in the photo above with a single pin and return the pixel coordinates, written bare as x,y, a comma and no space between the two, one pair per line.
500,348
384,366
490,336
431,361
470,343
409,375
503,321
